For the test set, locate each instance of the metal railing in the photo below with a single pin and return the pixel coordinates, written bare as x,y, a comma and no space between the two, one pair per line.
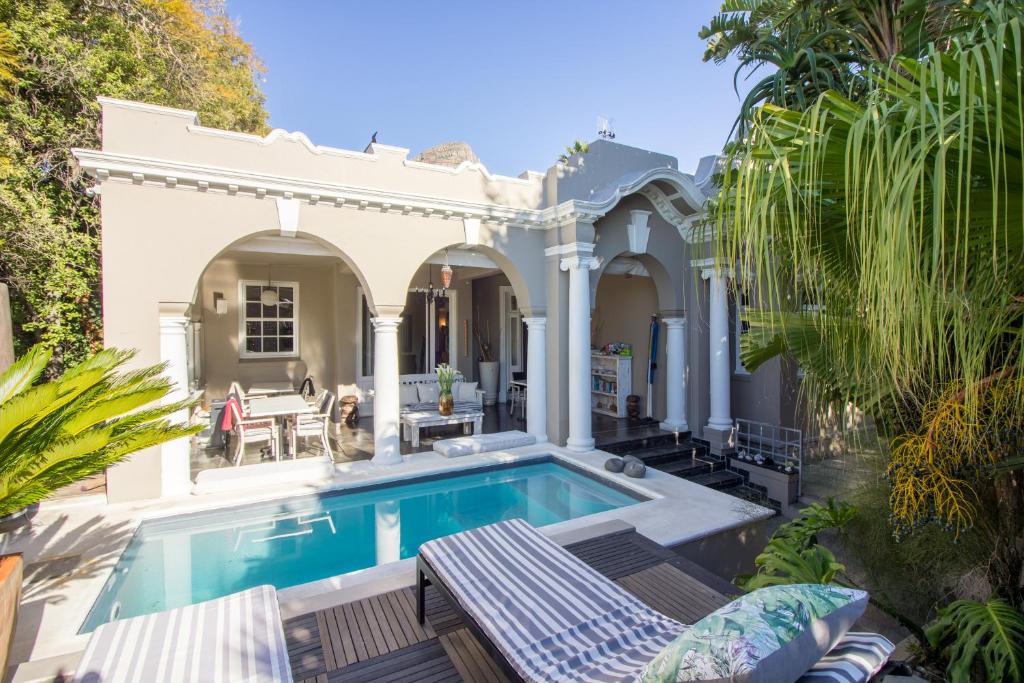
783,446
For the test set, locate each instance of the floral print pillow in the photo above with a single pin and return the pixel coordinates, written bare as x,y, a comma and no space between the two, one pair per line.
738,641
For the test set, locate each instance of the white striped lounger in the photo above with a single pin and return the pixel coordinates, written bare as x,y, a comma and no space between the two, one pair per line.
551,616
544,615
237,638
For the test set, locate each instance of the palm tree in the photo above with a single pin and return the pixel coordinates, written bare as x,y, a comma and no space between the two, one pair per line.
577,148
55,433
902,216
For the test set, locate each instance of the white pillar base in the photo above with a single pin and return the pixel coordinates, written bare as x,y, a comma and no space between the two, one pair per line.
676,427
579,445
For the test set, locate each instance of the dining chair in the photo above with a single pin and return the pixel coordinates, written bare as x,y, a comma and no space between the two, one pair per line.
315,424
252,431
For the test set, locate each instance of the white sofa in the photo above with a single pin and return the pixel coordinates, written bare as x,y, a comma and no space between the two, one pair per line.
409,393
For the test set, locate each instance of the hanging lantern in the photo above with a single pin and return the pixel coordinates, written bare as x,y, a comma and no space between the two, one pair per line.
446,272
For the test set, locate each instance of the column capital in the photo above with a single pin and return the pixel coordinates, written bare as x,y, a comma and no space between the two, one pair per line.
536,322
174,324
578,263
386,323
674,322
710,268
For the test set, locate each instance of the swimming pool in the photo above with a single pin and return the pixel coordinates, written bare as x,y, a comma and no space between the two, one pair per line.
183,560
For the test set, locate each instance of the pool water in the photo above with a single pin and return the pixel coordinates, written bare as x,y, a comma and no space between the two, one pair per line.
183,560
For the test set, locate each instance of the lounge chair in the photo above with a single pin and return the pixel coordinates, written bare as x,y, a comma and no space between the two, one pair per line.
235,638
542,614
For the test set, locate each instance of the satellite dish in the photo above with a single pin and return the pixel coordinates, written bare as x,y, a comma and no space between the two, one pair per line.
605,127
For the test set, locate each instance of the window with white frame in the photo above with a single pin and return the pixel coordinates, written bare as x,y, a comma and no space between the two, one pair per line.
741,326
269,319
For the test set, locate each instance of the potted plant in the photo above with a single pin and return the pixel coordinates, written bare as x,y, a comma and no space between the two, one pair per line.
445,380
487,365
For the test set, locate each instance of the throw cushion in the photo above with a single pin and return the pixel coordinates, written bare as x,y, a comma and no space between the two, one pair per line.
428,392
772,634
407,394
465,391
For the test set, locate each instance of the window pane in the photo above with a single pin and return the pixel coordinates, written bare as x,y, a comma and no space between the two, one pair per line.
287,344
286,294
252,310
286,311
269,344
270,311
286,327
252,329
252,345
252,293
270,328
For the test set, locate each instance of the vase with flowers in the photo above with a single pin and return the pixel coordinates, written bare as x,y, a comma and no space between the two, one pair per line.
445,381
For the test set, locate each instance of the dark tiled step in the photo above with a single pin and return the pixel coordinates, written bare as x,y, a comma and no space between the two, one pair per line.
718,480
630,446
687,468
654,456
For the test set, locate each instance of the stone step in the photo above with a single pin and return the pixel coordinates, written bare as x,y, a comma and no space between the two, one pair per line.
719,479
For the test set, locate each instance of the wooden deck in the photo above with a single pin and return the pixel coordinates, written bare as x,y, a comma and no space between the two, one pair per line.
379,639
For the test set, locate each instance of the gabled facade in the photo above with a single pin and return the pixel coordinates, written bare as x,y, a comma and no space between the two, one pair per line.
197,222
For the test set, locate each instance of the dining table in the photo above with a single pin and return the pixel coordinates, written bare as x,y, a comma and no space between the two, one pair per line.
282,407
269,388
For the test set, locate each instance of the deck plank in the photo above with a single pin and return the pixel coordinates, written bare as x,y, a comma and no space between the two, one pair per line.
379,639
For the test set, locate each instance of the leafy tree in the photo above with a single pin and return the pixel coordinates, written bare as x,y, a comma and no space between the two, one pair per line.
55,433
577,148
901,215
60,55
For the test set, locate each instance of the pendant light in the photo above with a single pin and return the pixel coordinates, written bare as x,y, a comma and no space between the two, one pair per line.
446,272
268,295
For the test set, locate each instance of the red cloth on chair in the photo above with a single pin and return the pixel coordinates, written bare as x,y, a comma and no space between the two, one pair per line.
227,422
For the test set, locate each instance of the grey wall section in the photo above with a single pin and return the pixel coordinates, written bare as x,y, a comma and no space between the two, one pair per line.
623,314
590,176
487,315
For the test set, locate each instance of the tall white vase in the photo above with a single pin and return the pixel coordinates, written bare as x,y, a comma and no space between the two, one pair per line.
489,381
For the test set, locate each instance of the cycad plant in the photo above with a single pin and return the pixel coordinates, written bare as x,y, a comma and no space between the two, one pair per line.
55,433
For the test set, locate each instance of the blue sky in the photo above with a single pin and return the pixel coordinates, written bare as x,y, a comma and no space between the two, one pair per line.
516,80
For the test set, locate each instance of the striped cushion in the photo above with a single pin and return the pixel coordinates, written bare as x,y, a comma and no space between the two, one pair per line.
552,616
235,638
855,659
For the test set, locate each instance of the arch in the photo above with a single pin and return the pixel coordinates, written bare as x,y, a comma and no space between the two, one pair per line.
510,270
332,249
662,255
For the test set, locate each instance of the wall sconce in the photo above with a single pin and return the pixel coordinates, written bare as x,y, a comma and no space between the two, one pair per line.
220,304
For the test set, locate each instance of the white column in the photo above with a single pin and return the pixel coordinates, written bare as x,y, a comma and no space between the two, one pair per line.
536,378
719,348
174,455
386,442
675,375
579,267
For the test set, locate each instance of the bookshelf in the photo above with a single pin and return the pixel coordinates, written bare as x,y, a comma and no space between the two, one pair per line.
611,381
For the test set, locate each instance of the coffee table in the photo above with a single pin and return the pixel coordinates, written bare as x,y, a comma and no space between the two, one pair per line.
414,420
